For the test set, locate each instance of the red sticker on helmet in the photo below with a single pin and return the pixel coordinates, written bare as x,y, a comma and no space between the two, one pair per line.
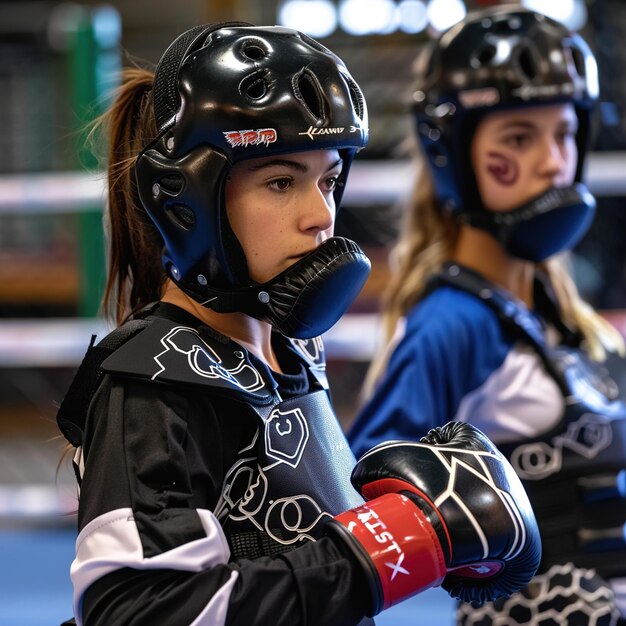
245,138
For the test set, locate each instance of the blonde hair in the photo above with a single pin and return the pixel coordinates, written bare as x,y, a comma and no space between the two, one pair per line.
428,239
599,336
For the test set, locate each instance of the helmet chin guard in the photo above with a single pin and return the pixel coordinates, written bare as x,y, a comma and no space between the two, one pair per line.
545,225
307,298
222,94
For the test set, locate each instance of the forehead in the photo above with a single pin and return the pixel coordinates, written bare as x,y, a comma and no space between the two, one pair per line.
307,160
531,115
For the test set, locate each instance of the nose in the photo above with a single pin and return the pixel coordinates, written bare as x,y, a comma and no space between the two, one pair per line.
317,212
553,161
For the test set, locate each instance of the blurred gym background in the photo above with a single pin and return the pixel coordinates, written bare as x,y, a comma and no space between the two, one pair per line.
58,66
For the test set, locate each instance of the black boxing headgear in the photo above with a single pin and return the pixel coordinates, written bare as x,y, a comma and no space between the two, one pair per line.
496,59
228,92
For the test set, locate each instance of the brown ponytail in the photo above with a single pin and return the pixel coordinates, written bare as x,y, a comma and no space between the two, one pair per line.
135,276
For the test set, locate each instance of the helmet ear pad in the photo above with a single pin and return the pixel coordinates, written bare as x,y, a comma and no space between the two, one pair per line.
234,255
176,193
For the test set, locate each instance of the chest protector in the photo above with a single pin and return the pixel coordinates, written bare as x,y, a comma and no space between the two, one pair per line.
575,473
293,472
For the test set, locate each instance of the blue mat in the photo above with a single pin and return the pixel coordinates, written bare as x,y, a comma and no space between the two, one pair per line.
35,577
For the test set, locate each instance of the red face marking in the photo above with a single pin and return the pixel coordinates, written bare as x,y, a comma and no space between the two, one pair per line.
504,170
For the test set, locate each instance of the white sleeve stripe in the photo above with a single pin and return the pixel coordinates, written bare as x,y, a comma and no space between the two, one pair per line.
111,542
519,400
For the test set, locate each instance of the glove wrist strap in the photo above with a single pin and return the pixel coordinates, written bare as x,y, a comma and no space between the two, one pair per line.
401,544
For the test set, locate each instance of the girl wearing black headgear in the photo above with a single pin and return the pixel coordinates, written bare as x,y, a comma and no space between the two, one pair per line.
216,486
483,319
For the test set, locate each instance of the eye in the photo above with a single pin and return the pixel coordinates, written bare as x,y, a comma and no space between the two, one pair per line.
280,184
331,183
517,141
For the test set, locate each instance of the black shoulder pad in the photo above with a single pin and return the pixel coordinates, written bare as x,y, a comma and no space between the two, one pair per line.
73,409
169,352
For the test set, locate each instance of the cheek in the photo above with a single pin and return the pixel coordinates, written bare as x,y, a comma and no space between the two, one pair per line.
501,169
260,233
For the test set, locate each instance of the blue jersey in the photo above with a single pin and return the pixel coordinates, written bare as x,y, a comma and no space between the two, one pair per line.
456,361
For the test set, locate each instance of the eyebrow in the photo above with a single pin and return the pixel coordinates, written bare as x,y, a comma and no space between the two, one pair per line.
506,125
295,165
517,124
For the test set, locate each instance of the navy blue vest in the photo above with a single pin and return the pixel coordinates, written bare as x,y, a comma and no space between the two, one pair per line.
575,473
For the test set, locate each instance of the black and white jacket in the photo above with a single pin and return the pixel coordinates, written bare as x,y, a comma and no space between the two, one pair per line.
206,480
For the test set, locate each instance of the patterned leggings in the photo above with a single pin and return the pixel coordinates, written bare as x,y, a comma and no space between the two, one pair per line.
563,596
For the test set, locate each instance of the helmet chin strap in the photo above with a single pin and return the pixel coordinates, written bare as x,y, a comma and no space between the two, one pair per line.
552,222
306,299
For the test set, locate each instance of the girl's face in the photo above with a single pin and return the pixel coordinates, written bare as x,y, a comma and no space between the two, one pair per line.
282,207
521,153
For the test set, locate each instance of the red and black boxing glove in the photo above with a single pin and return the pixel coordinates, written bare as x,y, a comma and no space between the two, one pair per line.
448,511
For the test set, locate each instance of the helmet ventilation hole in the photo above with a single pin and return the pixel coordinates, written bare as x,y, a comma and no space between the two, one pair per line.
358,101
172,184
181,216
502,25
308,91
527,63
485,54
257,89
253,51
255,86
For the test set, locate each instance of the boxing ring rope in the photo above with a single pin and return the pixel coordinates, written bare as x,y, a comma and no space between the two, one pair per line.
61,342
370,183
